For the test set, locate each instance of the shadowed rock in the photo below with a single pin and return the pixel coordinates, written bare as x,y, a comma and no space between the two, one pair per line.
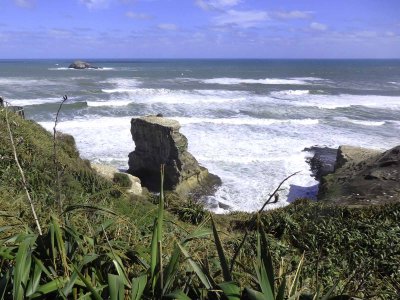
363,176
158,141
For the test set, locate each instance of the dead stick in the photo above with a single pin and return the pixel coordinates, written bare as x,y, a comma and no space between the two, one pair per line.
24,183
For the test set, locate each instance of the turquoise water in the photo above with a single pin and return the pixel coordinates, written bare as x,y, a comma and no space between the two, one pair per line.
246,120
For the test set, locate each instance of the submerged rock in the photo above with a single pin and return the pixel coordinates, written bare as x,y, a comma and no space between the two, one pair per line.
81,65
158,141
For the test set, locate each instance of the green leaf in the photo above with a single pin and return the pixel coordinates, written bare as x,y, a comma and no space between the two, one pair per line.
231,290
22,267
255,295
222,259
48,288
116,287
138,286
60,243
203,278
267,262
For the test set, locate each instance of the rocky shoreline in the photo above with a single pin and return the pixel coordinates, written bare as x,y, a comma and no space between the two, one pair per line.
356,176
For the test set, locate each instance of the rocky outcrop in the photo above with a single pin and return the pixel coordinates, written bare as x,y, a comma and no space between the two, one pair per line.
363,176
81,65
322,161
158,141
109,172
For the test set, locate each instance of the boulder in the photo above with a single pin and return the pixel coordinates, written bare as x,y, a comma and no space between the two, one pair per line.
363,176
109,172
81,65
159,142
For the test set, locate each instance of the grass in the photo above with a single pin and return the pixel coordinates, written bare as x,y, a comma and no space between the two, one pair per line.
108,245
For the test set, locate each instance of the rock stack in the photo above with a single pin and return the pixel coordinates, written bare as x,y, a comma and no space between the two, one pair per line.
158,141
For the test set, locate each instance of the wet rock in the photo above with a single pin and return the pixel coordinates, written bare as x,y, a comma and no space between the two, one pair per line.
323,160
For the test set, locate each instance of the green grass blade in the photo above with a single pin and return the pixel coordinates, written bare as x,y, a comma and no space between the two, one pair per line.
5,279
89,286
281,290
295,283
34,281
178,295
153,254
138,286
60,244
231,290
203,278
171,269
222,259
116,287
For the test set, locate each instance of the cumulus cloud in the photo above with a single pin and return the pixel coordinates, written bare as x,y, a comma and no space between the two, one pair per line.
243,19
294,14
137,16
24,3
216,4
318,26
95,4
167,26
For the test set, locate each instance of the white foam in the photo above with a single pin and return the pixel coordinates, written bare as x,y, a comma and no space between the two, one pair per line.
340,101
246,121
27,102
361,122
290,93
268,81
148,95
73,69
108,103
25,81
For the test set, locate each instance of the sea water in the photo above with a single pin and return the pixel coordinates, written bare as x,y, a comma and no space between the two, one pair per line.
247,121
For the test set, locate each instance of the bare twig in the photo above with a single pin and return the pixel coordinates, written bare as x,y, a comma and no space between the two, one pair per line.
59,200
24,183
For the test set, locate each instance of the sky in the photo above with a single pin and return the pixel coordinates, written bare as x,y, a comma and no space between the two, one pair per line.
199,29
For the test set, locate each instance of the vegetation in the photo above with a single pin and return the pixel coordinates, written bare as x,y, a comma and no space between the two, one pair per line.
102,244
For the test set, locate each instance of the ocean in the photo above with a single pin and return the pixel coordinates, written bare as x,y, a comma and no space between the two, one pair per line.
247,121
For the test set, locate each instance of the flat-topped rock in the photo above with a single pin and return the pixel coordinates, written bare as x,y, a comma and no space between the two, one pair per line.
363,176
159,142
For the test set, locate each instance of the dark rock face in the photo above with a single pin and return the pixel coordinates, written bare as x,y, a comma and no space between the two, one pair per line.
322,162
158,141
363,176
81,65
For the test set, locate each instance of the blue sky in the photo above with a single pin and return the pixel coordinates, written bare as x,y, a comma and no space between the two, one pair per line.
200,29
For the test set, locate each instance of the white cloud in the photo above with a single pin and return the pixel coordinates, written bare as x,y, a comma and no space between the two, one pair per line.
24,3
318,26
167,26
216,4
244,19
96,4
137,16
294,14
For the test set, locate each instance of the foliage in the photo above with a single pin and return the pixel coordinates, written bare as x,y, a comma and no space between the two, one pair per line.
108,247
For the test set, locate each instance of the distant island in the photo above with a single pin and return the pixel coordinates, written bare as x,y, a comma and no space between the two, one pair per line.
80,65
